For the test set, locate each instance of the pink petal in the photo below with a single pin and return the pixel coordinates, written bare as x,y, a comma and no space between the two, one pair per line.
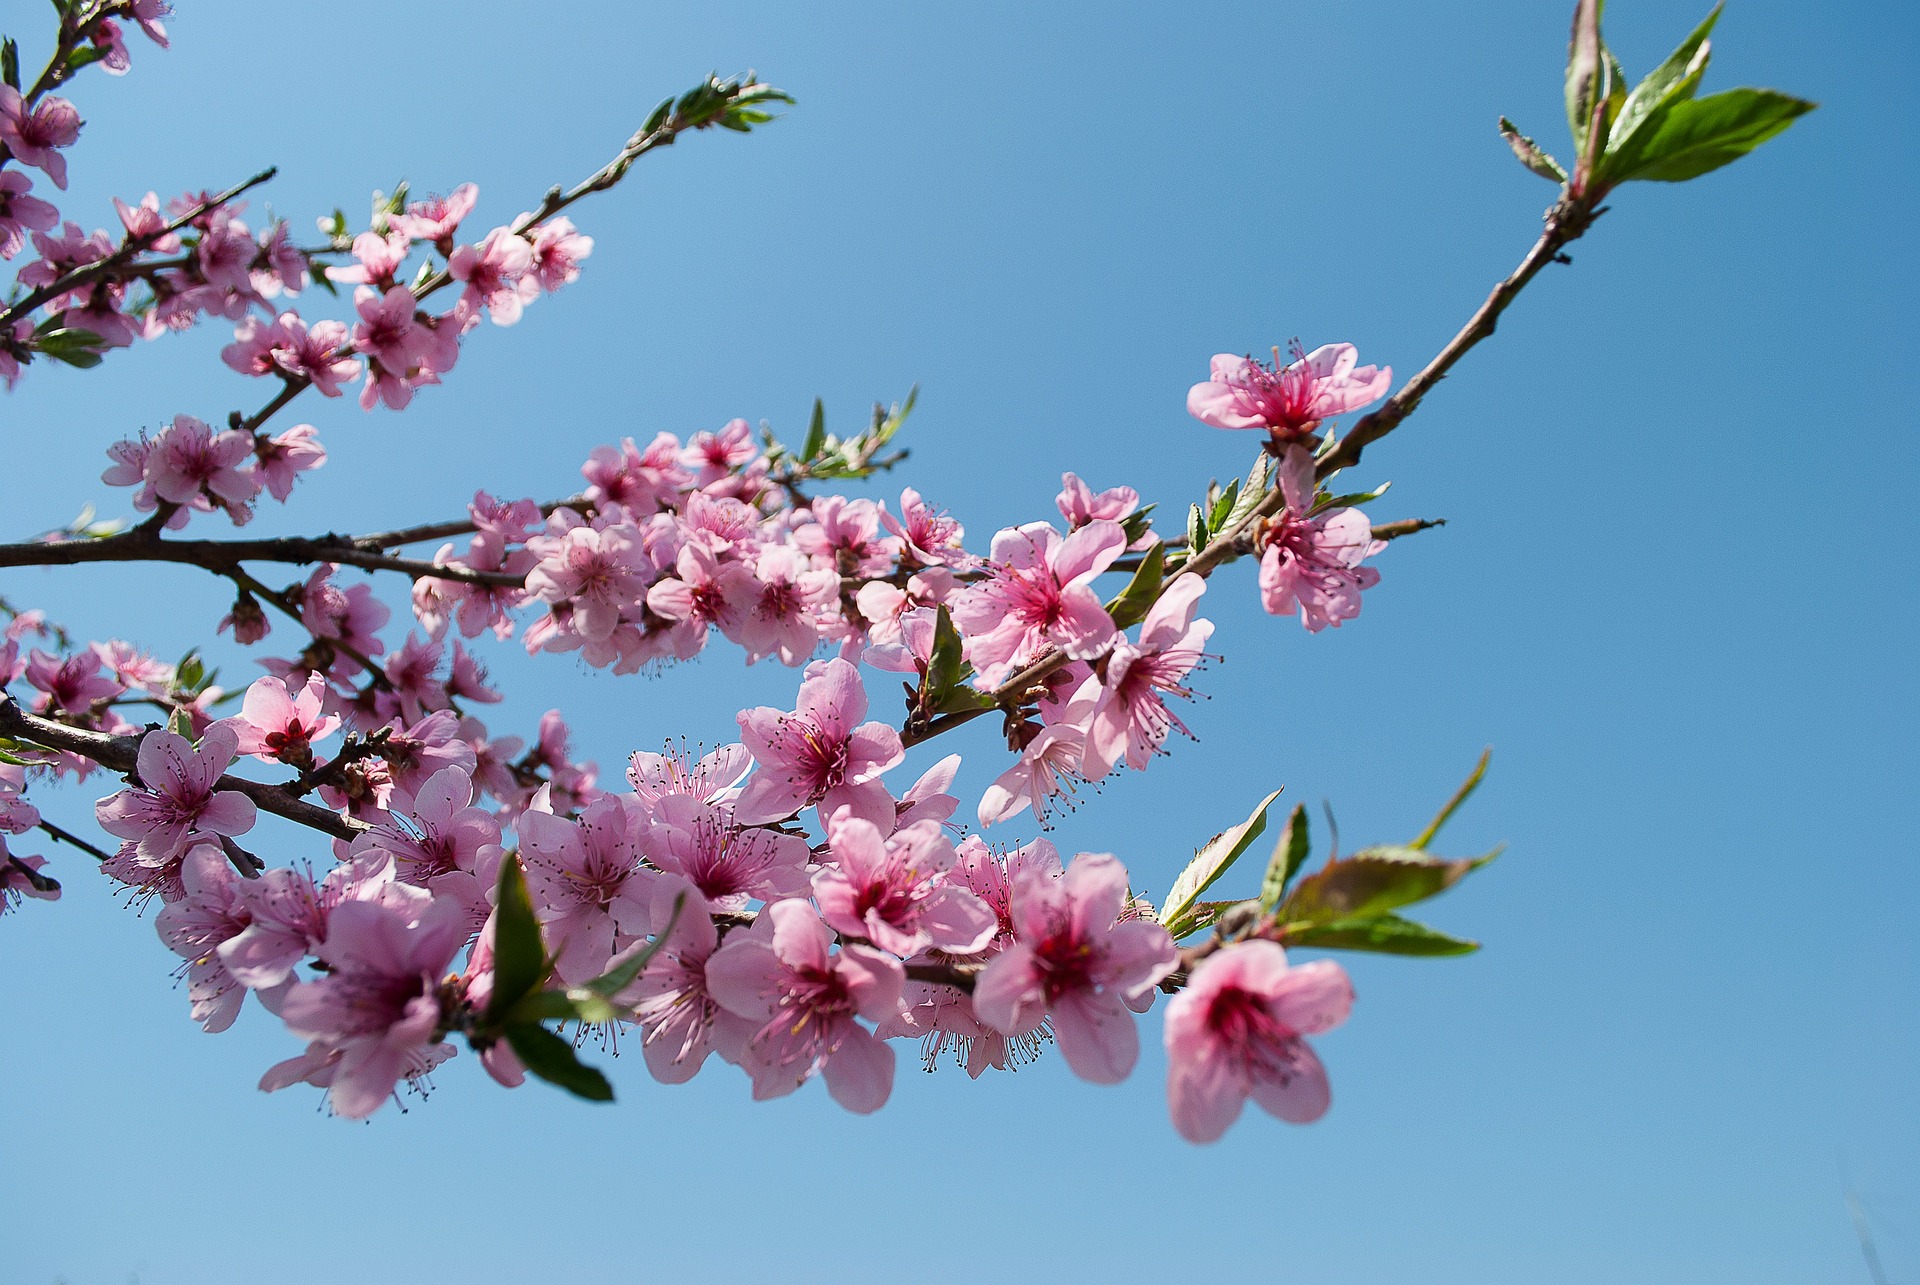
1204,1095
859,1075
1303,1096
1096,1035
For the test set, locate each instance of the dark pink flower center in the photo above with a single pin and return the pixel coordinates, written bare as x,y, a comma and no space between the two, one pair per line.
1243,1023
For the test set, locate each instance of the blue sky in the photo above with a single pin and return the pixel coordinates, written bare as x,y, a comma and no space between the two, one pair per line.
1676,596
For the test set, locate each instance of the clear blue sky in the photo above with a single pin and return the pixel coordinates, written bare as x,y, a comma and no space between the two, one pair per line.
1676,595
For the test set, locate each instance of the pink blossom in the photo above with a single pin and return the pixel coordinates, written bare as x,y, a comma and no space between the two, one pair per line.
212,913
928,537
588,882
436,218
279,725
1079,505
178,802
21,877
711,456
728,864
114,59
288,915
415,753
1050,767
286,268
720,524
60,254
73,685
226,253
804,1001
641,482
598,572
1288,401
793,601
557,252
1040,594
17,816
19,212
388,334
817,754
256,347
1237,1031
496,275
379,1004
1071,962
894,892
316,353
148,14
189,461
34,134
680,1022
351,616
709,590
376,259
1312,563
1133,720
845,536
144,222
467,678
451,848
656,777
285,456
414,690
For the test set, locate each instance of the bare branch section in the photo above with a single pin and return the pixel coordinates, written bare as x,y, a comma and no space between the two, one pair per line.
121,754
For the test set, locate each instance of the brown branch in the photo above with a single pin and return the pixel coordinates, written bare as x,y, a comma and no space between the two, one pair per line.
222,556
1405,527
61,835
121,754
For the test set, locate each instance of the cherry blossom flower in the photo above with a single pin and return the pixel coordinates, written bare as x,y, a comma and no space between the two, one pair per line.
1051,766
450,848
379,1003
194,927
640,482
73,685
17,816
278,725
414,690
1040,594
927,536
179,802
894,891
288,915
588,881
793,601
656,777
804,1000
20,213
1288,401
1072,963
436,218
495,272
817,754
376,258
729,864
352,617
316,353
597,571
148,14
256,347
415,752
226,253
286,268
680,1021
558,250
1312,563
1237,1031
189,462
1079,505
35,134
21,877
707,590
285,456
711,456
845,536
388,334
145,222
1132,719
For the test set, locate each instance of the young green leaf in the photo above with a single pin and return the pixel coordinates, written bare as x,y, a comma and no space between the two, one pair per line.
552,1059
1214,860
1372,882
1584,72
1289,854
1460,796
10,62
1671,81
1530,153
1196,530
1201,914
1131,607
1223,505
1700,135
519,958
1385,934
621,975
816,432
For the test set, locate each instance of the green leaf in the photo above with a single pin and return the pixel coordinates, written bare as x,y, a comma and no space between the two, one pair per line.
1460,796
1386,934
1352,499
10,62
552,1059
816,432
1372,882
1584,71
1223,505
1251,494
1137,523
188,674
519,958
1214,860
1137,599
621,975
1530,153
84,56
1700,135
1196,530
1289,854
1672,80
